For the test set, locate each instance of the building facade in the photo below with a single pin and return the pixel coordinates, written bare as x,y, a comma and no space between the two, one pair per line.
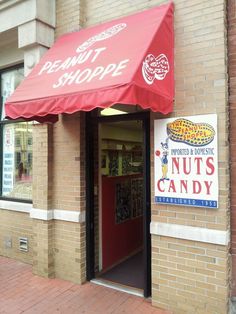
50,199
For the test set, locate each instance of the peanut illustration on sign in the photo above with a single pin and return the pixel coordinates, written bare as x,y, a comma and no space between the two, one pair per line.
155,68
101,36
190,133
184,131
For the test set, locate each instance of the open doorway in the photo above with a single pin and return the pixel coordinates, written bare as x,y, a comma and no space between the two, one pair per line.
121,193
118,201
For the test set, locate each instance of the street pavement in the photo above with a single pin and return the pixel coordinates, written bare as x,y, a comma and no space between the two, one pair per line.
23,292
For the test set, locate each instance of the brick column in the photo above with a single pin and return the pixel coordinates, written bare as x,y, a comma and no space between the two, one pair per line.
69,197
42,200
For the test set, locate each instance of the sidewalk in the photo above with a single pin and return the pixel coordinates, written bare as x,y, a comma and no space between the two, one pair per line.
23,292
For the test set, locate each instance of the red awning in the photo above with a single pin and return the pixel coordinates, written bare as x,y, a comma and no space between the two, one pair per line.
126,61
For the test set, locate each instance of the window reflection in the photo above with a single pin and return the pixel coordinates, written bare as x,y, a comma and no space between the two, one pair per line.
9,82
17,160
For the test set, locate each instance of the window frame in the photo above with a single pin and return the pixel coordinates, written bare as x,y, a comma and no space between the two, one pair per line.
2,123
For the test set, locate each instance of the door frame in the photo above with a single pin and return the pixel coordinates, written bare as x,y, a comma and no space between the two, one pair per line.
91,121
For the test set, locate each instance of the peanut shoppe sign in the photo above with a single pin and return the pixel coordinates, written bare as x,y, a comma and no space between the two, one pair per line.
186,168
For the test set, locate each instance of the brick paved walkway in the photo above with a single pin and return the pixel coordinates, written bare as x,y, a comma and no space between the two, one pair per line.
23,292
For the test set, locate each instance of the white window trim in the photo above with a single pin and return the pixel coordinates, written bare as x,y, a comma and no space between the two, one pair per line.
16,206
42,214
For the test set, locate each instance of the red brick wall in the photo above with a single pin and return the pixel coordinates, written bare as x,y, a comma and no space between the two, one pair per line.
232,103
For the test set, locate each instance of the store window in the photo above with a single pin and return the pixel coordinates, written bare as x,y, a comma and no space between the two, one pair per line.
16,146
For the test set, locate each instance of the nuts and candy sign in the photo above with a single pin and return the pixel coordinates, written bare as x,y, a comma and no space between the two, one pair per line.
186,163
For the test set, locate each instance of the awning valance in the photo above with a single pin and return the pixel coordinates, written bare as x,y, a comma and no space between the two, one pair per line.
126,61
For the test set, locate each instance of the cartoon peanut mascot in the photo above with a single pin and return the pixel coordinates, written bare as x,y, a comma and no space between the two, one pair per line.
164,159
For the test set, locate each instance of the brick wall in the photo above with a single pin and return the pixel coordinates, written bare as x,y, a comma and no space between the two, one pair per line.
69,194
189,277
59,183
194,276
67,176
43,261
42,199
100,11
42,166
12,226
232,104
69,251
69,16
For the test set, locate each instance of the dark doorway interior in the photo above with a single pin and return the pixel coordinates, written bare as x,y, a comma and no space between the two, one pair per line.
121,203
118,212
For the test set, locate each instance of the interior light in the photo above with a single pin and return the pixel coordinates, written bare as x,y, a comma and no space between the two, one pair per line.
111,112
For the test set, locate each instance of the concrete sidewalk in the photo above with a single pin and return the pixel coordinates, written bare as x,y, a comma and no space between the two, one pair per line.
23,292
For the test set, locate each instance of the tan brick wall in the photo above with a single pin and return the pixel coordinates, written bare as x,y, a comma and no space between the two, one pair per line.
59,183
42,199
69,194
12,226
201,88
232,104
68,164
43,263
69,251
189,277
69,16
42,166
104,10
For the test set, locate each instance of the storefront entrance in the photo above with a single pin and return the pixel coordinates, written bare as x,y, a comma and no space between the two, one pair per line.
118,201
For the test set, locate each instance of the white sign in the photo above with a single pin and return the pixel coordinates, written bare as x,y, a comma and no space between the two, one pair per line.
8,159
186,163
